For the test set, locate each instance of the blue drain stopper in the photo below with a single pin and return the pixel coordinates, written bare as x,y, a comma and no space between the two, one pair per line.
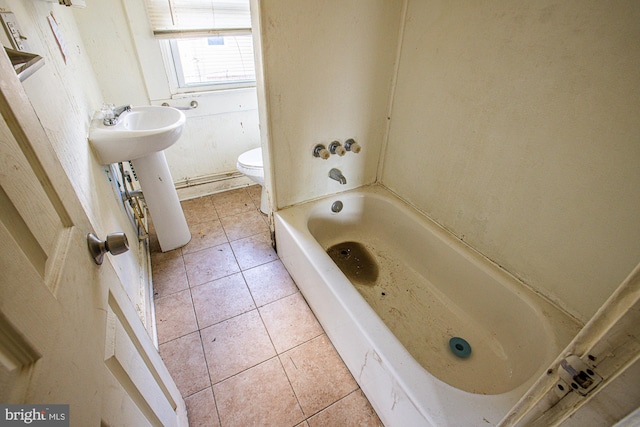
460,347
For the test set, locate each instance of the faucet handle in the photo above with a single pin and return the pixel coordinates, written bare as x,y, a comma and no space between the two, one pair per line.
321,151
336,148
352,145
107,111
109,117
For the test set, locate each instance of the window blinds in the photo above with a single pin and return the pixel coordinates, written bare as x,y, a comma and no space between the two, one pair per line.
193,18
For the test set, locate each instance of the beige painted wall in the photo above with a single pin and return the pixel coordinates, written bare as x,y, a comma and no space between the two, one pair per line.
328,66
65,95
516,126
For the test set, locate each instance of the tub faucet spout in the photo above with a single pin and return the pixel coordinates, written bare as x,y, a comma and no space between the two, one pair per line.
337,175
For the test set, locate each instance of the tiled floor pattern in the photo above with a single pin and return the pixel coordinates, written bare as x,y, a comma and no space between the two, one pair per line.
236,334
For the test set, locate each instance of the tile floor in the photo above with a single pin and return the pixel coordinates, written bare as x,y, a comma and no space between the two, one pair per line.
236,334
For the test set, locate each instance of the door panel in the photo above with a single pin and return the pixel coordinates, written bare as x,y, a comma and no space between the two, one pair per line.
28,212
138,376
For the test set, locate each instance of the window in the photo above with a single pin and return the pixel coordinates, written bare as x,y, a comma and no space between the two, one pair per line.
207,43
219,60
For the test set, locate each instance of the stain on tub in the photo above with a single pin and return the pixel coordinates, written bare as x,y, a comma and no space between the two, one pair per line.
355,261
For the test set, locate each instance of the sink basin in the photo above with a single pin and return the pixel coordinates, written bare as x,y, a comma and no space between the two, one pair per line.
138,133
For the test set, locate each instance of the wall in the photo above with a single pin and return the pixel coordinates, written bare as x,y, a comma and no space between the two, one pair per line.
516,126
130,70
64,95
328,68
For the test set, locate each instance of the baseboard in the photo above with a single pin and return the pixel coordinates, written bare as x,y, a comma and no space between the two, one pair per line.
192,188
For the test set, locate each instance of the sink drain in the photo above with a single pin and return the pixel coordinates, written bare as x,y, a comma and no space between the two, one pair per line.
460,347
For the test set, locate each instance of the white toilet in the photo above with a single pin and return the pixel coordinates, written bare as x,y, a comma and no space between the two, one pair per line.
250,164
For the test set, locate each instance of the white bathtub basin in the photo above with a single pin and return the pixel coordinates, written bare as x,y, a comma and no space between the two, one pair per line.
435,288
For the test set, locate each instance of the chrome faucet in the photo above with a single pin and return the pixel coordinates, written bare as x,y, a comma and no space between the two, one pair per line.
337,175
111,117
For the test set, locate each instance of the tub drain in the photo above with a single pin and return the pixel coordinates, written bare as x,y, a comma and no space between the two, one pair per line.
460,347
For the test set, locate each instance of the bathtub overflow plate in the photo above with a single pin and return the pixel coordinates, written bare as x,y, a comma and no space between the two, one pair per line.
336,206
460,347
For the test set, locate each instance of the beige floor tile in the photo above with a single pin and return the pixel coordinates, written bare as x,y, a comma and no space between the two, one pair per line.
199,210
290,322
201,409
184,358
269,282
318,375
169,276
352,411
210,264
175,316
255,192
303,424
204,235
260,396
157,256
235,345
253,251
244,225
221,299
232,202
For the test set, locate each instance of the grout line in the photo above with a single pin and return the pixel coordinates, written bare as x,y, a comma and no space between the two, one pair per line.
243,371
293,388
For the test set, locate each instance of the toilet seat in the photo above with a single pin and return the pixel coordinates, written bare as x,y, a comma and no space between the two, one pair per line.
251,159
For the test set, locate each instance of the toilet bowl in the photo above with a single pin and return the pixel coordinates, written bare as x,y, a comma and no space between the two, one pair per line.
250,164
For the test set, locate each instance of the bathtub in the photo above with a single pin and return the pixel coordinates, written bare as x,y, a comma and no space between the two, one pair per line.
393,329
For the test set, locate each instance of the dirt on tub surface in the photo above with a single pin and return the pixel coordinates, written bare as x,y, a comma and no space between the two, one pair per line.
355,261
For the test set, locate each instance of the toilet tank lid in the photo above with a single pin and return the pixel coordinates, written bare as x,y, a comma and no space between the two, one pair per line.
251,157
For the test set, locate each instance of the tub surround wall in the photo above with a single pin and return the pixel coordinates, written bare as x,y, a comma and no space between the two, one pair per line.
516,127
129,68
64,96
328,68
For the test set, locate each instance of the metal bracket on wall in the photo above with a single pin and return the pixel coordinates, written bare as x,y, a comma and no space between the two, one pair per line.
578,375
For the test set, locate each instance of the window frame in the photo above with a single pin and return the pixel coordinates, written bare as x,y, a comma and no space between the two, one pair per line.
173,67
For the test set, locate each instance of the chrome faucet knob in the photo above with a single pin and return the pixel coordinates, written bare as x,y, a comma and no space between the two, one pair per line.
352,145
336,148
321,152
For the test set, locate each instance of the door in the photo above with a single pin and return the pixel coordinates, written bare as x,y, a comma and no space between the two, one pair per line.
68,332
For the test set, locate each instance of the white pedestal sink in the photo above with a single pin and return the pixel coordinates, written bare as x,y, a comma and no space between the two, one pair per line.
140,136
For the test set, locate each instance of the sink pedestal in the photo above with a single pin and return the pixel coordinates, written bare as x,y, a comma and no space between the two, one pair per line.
162,200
